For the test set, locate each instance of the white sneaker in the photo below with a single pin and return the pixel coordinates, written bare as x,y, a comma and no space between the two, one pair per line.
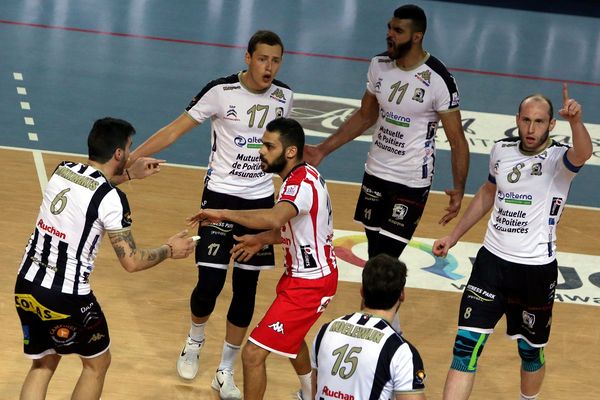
188,362
224,384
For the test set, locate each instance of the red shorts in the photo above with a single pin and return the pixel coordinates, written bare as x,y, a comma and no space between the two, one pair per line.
298,305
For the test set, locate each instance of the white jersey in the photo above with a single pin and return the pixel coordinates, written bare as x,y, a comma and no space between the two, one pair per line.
238,120
531,192
79,204
307,239
361,357
403,146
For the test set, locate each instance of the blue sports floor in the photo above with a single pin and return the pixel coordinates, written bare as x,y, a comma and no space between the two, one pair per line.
143,60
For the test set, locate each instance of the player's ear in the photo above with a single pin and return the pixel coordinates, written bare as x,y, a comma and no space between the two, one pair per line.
552,123
247,58
402,296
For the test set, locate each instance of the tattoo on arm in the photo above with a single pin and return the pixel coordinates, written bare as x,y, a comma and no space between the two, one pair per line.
120,240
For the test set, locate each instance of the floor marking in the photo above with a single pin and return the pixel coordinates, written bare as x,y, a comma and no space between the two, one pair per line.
32,136
29,121
21,90
25,105
40,168
18,76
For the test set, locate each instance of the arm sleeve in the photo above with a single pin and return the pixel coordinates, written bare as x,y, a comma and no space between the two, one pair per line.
114,212
205,104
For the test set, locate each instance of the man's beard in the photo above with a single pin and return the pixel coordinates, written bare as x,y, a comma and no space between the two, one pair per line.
121,168
528,147
401,50
276,166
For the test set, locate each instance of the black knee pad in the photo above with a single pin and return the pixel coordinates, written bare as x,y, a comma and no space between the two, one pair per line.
241,308
209,286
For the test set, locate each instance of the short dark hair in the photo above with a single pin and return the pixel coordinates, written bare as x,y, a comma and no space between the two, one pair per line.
290,133
539,97
266,37
107,135
415,14
383,279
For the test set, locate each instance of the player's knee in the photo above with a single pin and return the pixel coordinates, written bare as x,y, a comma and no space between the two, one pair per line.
467,349
244,294
204,296
253,356
532,358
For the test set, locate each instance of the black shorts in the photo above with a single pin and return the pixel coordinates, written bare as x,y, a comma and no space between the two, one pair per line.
525,293
59,323
390,208
216,240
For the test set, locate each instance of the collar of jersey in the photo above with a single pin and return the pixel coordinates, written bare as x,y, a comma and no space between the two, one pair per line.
533,153
423,61
247,88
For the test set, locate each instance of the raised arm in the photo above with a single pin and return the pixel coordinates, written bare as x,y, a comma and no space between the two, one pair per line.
582,142
134,259
164,137
360,121
459,148
479,207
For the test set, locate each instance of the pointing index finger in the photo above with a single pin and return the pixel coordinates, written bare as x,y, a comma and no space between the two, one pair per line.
565,92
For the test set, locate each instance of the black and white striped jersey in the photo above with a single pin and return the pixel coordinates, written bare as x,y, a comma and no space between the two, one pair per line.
360,356
78,205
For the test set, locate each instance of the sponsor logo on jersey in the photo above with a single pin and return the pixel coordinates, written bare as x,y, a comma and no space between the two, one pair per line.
324,303
455,99
378,85
536,169
555,207
225,88
277,327
25,334
251,143
528,319
278,95
515,198
63,334
479,294
395,119
231,114
27,302
291,190
420,377
424,77
95,337
371,194
50,229
337,394
222,226
419,95
399,211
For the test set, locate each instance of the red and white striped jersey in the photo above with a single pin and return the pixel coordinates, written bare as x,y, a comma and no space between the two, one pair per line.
307,239
79,204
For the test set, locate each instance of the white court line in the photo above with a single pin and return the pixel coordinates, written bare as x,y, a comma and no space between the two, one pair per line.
187,166
40,168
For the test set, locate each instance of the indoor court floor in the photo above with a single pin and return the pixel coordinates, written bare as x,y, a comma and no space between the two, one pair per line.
66,63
